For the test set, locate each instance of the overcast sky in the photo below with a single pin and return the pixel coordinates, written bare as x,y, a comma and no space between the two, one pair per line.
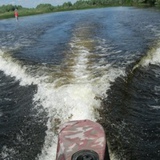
34,3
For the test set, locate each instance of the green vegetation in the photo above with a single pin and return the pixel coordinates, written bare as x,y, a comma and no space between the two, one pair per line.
6,11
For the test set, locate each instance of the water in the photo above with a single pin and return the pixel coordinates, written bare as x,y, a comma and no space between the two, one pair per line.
100,64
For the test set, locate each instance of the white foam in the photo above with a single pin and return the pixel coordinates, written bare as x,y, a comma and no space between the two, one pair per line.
155,107
78,99
7,153
1,114
157,88
152,57
71,102
75,101
13,68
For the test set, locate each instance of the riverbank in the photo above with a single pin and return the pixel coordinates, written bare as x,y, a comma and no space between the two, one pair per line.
21,13
28,12
35,11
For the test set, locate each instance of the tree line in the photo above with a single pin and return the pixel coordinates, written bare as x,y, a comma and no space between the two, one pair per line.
80,4
9,8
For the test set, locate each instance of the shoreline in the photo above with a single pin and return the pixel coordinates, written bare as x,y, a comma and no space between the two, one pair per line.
30,12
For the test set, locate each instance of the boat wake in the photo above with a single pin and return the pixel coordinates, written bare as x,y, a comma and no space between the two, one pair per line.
74,94
152,57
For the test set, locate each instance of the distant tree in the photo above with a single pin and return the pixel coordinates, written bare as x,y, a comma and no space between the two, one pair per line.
67,4
151,2
157,3
46,7
9,8
18,7
83,3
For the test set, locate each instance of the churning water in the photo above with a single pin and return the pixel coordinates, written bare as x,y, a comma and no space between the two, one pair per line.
100,64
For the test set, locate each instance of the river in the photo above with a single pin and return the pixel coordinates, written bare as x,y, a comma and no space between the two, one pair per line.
98,64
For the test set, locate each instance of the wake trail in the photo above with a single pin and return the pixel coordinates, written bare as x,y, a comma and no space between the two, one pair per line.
75,93
152,57
79,98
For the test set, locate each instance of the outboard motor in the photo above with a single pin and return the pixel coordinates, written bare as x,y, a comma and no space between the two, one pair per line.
81,140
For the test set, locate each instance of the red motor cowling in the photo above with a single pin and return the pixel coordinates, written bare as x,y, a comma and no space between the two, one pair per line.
81,140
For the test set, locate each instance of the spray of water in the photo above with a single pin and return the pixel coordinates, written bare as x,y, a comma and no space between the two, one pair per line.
152,57
77,98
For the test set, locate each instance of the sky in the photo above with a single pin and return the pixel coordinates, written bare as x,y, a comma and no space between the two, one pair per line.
34,3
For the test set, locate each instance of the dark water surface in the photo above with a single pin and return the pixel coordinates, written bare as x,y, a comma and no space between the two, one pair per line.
98,64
